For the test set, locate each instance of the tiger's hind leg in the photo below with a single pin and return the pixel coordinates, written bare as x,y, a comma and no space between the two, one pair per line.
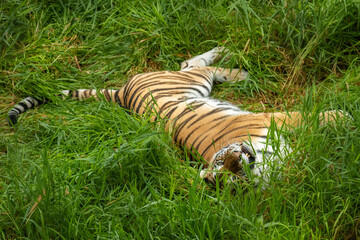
211,57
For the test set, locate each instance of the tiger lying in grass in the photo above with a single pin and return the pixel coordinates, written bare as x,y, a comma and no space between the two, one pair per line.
232,142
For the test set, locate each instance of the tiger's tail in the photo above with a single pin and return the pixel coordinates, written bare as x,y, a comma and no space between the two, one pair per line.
109,95
21,107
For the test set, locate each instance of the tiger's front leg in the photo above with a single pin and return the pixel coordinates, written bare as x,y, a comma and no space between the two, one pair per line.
206,59
211,57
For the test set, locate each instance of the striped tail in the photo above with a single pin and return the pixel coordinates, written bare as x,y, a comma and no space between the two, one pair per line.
22,107
80,94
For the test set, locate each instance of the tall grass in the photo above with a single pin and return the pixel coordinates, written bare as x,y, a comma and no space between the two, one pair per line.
85,170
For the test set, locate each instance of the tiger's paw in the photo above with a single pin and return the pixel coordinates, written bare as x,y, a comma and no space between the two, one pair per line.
206,59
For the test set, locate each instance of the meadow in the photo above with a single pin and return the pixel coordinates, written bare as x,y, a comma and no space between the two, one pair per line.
90,170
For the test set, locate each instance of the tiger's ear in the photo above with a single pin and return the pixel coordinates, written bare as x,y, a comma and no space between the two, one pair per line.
231,163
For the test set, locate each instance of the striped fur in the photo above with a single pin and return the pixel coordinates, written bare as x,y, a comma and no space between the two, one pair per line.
226,137
22,107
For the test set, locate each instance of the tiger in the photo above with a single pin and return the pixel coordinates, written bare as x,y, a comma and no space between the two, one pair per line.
232,143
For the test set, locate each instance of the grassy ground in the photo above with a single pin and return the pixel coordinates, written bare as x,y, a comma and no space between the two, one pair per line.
86,170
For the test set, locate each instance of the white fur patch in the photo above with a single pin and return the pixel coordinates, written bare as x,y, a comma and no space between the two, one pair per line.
213,104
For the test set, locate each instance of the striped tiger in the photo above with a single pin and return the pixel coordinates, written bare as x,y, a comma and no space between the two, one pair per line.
232,142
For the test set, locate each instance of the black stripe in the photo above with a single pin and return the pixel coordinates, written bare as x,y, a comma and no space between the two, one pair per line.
127,89
181,76
70,94
216,110
14,111
32,102
169,104
206,63
139,106
23,105
18,109
117,98
201,76
179,81
168,114
139,89
134,81
220,118
164,107
184,122
188,109
249,126
189,135
198,137
107,95
201,141
159,90
180,127
183,79
239,136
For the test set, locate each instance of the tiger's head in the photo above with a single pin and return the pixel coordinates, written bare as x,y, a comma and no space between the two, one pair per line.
229,165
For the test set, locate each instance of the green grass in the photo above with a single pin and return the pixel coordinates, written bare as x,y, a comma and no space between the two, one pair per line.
86,170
